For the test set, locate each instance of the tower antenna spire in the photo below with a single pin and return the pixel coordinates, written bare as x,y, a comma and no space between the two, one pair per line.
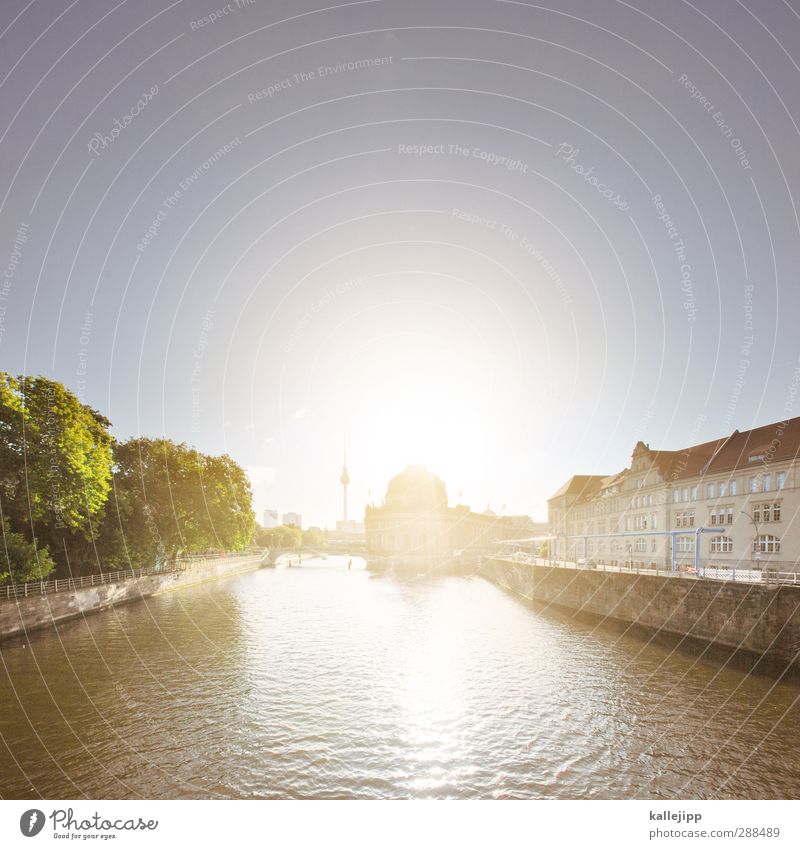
344,480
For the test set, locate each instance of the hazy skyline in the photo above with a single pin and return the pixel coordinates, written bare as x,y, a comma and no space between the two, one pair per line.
504,240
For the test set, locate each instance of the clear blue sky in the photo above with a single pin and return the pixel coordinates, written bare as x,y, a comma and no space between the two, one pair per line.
505,240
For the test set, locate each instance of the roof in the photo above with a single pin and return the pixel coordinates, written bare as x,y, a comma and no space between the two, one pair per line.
749,449
582,486
416,488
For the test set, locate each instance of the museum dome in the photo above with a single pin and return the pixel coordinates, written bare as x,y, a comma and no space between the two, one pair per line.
416,488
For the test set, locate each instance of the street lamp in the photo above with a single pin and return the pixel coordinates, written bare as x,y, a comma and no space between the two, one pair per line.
756,544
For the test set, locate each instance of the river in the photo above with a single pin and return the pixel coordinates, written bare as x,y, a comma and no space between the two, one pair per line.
324,682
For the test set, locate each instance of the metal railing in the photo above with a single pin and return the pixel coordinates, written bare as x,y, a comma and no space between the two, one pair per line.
59,585
748,576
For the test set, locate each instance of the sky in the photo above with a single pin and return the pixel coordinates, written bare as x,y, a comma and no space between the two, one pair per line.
504,239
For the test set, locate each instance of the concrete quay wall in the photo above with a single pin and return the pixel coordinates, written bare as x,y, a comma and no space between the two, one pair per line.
18,616
762,621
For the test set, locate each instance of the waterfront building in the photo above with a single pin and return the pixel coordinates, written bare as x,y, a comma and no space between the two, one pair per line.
293,519
271,519
415,526
744,484
350,529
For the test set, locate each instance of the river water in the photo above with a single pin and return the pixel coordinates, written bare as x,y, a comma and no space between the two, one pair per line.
325,682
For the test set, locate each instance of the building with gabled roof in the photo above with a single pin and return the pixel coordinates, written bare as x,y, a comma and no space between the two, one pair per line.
745,484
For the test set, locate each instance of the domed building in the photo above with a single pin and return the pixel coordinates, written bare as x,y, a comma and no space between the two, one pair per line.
415,528
416,489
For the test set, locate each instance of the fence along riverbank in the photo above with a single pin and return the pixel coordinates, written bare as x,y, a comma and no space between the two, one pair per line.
39,604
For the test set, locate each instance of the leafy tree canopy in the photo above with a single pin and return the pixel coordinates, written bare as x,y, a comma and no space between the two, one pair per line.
55,455
20,560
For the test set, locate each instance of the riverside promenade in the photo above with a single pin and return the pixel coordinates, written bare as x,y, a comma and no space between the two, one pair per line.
39,604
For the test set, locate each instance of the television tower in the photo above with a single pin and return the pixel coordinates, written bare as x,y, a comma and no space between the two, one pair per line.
344,480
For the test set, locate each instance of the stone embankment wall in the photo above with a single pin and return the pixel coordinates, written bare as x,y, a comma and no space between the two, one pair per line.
759,620
18,616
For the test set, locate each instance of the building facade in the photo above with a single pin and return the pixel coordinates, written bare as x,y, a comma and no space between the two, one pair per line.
415,527
293,519
271,519
742,488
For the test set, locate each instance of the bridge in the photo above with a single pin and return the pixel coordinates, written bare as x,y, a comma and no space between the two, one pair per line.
357,549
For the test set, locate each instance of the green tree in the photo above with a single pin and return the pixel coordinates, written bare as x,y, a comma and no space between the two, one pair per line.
55,460
20,560
169,499
283,536
314,538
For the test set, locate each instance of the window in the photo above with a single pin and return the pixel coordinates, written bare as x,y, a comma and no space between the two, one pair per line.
723,487
694,493
754,483
728,517
685,544
780,480
767,483
641,545
712,517
654,521
711,491
768,512
766,544
684,519
686,493
654,545
676,496
733,487
721,545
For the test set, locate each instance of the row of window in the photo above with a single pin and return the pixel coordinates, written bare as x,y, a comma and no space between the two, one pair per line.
769,511
641,522
762,544
765,482
764,512
721,516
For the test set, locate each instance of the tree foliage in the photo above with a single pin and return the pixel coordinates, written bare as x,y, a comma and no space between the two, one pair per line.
284,536
314,538
169,499
20,560
67,487
55,456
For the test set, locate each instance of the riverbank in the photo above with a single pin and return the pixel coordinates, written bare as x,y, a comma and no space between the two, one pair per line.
24,614
756,627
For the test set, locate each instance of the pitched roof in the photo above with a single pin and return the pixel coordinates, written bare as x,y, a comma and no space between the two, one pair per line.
749,449
581,485
754,450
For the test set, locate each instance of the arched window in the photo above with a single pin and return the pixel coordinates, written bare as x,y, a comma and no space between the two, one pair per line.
766,544
721,545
